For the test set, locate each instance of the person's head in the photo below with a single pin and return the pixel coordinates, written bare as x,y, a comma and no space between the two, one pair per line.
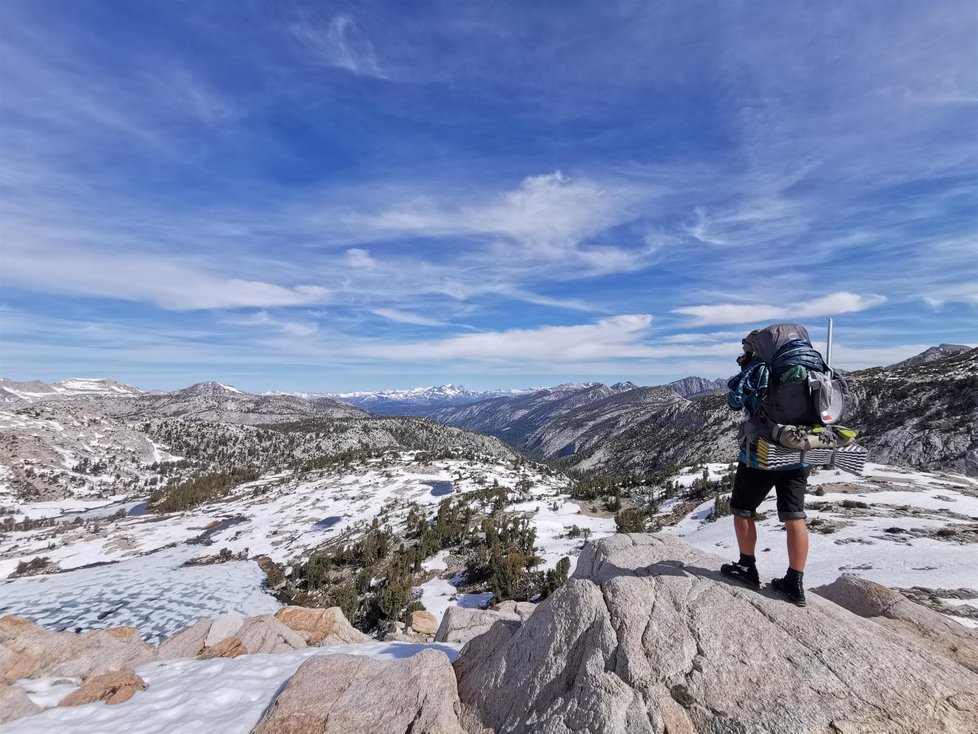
748,354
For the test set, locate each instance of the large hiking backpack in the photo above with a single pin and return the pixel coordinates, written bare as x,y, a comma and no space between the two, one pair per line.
801,389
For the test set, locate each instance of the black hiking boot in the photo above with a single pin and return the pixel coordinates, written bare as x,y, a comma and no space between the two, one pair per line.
743,572
790,587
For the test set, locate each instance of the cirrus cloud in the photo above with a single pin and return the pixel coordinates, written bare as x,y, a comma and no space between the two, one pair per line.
743,313
167,282
618,336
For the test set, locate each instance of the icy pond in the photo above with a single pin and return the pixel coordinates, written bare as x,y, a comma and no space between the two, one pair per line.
441,489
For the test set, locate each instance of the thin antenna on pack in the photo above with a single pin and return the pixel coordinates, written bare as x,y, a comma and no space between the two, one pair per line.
828,346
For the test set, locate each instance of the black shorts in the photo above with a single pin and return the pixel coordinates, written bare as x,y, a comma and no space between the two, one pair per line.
751,486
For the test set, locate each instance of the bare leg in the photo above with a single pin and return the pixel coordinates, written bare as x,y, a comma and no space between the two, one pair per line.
797,543
747,535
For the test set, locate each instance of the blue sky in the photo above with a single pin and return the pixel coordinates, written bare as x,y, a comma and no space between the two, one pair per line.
340,196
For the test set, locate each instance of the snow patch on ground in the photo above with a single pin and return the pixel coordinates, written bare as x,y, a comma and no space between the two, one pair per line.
202,696
861,544
153,593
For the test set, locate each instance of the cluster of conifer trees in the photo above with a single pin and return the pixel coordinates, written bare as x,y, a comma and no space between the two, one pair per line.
372,578
198,490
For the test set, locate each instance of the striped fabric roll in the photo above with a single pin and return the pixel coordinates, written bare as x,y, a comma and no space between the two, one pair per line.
772,456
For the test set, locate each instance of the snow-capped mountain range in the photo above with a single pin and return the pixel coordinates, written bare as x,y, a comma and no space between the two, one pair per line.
419,400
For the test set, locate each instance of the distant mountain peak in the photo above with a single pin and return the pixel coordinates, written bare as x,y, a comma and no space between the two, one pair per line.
210,387
932,354
694,387
624,386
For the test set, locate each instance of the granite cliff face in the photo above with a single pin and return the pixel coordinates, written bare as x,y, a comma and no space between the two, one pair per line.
922,414
617,429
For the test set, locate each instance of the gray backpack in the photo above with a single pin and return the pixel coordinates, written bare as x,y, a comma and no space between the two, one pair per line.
802,390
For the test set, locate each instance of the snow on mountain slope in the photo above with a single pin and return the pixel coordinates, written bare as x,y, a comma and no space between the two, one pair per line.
420,394
203,400
213,401
34,390
49,450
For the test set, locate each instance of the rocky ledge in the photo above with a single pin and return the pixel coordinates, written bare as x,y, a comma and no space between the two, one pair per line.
648,637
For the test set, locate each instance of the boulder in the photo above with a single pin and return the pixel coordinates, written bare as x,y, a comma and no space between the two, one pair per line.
350,694
187,643
27,650
266,634
424,623
114,687
222,627
320,627
894,611
119,648
229,647
15,664
522,609
647,636
14,703
461,625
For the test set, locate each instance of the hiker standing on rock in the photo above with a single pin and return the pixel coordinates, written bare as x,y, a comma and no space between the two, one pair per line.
772,389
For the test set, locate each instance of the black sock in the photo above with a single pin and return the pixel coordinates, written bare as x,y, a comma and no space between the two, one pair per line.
746,560
794,575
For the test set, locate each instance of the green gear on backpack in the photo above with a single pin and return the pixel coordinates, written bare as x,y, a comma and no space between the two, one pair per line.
794,374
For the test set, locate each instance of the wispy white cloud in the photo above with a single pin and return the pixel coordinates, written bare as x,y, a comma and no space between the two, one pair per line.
624,337
340,44
165,281
618,336
952,293
298,329
405,317
728,337
546,219
734,313
360,258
